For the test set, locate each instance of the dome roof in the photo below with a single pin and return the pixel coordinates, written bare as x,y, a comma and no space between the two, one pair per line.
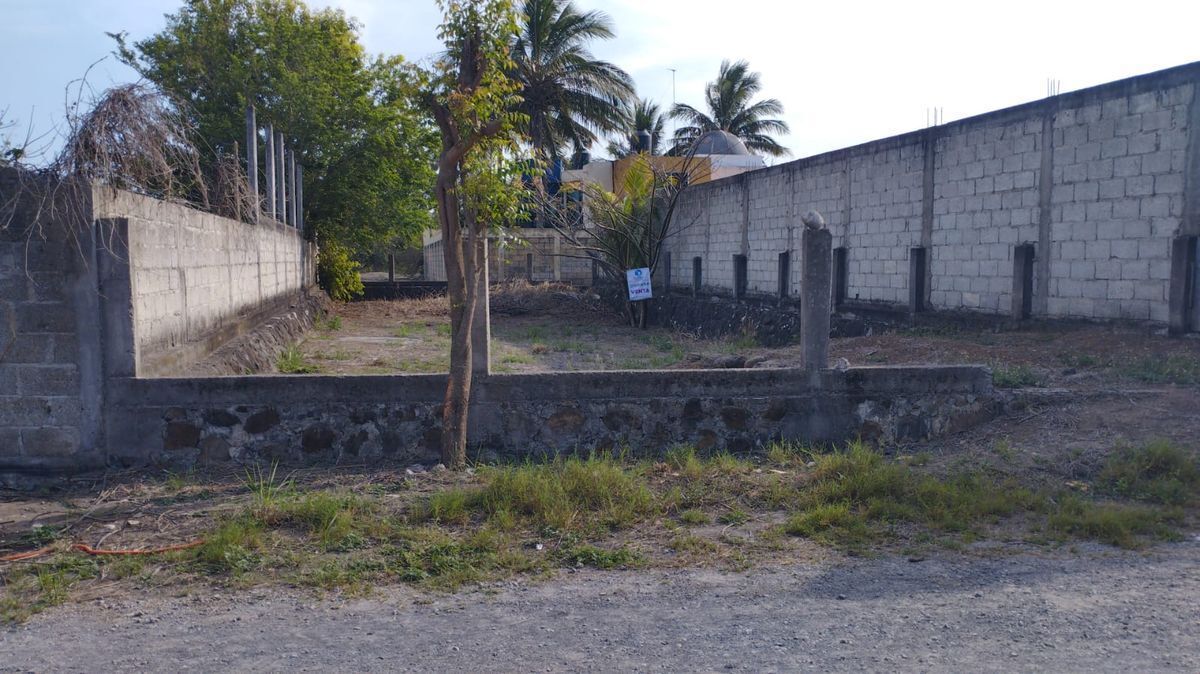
720,142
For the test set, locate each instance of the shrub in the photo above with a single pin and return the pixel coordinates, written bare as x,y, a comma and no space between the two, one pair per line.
1158,472
337,273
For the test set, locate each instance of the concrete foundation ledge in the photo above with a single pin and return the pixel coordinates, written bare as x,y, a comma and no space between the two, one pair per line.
313,419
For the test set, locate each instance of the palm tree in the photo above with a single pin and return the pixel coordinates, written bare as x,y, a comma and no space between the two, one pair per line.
568,96
730,109
644,116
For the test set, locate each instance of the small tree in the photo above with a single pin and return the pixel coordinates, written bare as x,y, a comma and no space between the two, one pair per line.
630,227
471,98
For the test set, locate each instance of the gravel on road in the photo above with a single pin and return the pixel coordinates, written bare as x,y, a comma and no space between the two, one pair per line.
1094,609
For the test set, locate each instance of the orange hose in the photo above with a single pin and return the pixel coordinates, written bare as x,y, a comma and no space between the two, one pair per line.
85,548
28,554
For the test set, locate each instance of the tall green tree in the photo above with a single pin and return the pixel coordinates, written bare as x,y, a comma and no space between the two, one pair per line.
732,108
644,115
473,101
367,148
567,95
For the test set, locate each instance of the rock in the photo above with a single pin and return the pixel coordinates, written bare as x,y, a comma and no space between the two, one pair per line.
755,361
439,468
262,421
728,362
735,417
181,435
565,420
213,449
317,438
415,469
841,365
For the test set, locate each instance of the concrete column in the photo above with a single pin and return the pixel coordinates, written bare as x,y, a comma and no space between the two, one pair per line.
817,277
557,257
280,179
481,327
291,188
252,157
300,196
1181,302
1041,284
270,167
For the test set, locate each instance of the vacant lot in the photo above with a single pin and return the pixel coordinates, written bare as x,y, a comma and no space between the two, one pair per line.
1092,480
555,328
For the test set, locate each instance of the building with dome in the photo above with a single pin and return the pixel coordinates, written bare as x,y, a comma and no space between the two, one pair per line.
716,154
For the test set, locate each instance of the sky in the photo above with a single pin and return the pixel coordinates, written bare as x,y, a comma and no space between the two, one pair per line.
846,71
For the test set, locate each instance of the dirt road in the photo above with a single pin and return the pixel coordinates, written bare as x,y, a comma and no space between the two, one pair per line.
1093,610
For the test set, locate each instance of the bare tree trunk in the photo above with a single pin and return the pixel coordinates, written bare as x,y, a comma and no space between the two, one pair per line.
460,282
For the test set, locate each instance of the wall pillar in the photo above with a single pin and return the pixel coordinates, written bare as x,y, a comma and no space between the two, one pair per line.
817,278
481,325
1181,312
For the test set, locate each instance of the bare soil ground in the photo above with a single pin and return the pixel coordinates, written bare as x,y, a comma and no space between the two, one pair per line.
556,328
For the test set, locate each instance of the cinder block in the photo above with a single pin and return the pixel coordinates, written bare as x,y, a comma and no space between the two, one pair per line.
48,380
49,442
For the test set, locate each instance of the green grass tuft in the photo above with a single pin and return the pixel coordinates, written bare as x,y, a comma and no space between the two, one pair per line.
1157,472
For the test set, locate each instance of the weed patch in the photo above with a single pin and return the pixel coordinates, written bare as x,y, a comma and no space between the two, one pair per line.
292,361
1157,472
1016,376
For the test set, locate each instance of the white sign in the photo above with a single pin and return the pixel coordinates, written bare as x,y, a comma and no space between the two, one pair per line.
639,284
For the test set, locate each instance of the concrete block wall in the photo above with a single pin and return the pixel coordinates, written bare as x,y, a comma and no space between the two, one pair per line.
1118,200
85,294
194,274
510,259
49,403
985,201
1096,180
885,221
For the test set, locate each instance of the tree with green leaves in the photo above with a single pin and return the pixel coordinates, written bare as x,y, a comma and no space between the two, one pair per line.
732,108
644,115
472,100
567,95
367,148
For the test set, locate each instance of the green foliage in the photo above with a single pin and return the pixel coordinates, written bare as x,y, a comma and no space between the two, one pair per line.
292,361
366,148
566,494
1163,369
235,547
1119,524
643,115
1016,376
731,108
599,558
854,495
565,92
337,273
1158,472
266,487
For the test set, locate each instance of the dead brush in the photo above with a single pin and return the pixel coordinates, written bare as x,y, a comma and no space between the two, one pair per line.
131,137
520,297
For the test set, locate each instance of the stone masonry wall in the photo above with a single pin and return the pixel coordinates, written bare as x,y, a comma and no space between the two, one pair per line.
308,419
1095,180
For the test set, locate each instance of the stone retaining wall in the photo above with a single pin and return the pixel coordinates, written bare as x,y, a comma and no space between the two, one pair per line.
305,419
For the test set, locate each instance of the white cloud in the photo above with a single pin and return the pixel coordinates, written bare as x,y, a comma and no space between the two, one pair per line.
847,71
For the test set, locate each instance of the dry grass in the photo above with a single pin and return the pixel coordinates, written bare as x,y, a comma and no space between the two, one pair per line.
443,530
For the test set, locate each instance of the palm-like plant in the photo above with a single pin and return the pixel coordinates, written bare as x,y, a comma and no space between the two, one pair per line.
731,108
645,115
568,96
